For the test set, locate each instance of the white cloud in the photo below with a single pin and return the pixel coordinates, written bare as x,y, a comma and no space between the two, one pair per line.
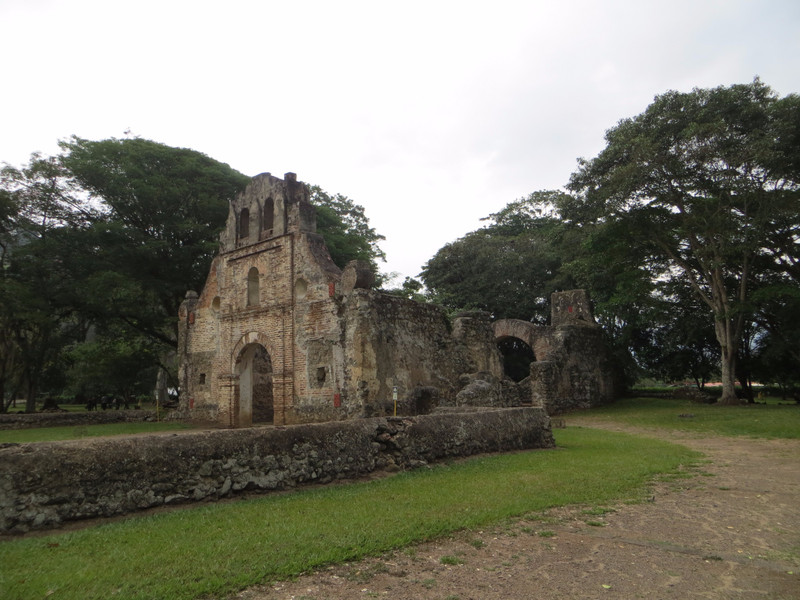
430,114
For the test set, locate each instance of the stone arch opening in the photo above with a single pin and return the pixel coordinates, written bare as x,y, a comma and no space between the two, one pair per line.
252,287
244,223
517,357
256,402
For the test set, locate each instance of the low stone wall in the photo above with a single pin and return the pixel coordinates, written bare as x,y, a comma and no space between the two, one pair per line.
69,419
45,484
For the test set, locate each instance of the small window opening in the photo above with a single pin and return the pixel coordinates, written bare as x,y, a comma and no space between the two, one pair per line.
202,378
252,287
300,289
321,373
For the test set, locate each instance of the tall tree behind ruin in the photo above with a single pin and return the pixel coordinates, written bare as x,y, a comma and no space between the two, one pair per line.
130,225
701,182
508,268
345,227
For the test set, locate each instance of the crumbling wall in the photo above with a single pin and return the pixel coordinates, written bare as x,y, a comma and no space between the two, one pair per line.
280,330
579,374
578,371
573,366
392,342
45,484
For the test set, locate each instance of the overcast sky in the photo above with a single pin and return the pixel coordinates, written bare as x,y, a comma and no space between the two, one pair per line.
430,114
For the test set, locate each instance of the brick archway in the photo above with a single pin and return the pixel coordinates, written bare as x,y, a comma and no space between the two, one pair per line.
257,396
252,337
538,337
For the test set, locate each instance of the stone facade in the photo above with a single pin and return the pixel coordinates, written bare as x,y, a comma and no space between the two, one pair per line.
279,334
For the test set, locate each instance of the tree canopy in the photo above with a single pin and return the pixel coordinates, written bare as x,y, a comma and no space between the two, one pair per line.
684,229
508,268
702,182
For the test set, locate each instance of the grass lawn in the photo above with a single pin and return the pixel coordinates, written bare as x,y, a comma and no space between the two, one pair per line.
72,432
769,420
216,549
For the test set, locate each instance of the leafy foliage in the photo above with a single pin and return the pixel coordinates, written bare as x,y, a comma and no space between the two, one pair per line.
700,182
508,268
346,229
163,209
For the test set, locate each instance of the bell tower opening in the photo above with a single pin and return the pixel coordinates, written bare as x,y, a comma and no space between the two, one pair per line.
269,216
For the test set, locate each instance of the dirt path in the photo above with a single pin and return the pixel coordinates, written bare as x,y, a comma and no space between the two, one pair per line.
732,532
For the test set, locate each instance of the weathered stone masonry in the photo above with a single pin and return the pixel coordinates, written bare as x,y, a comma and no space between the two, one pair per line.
43,485
280,334
573,367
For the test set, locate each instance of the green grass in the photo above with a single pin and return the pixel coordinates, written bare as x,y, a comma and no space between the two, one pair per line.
753,420
214,550
71,432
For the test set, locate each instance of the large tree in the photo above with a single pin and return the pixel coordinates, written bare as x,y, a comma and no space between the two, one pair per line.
163,208
37,204
701,183
508,268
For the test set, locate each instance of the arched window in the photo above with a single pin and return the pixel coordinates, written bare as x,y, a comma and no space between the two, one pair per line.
269,215
244,223
252,287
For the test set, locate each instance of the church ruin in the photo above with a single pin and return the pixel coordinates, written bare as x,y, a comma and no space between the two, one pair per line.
279,334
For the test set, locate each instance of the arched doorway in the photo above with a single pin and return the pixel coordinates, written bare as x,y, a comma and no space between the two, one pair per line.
517,357
254,370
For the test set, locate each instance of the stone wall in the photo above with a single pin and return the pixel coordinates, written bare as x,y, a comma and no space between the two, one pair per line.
45,484
76,419
279,334
395,342
578,373
573,367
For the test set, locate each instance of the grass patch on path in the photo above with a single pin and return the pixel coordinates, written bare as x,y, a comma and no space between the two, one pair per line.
214,550
73,432
752,420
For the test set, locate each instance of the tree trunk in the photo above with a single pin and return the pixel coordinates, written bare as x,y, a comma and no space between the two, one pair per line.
160,391
729,397
30,398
